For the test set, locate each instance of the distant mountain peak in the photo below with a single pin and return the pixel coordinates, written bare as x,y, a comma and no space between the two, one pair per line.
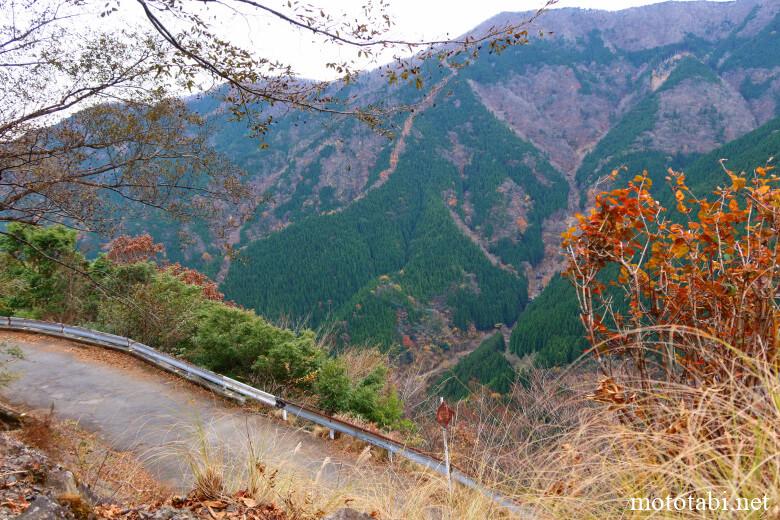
649,26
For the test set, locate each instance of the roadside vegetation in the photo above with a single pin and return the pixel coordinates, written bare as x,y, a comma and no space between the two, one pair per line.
649,369
677,394
131,291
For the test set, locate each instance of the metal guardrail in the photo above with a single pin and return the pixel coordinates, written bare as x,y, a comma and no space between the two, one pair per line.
240,391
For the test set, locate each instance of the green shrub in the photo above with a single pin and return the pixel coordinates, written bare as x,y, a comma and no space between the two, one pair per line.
161,312
371,398
292,360
333,386
229,340
34,274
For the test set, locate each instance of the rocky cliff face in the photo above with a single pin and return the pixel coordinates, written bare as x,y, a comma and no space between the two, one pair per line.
697,116
652,26
566,108
549,108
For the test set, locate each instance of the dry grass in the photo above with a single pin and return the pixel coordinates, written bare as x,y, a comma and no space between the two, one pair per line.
360,362
552,449
719,447
398,490
220,471
569,457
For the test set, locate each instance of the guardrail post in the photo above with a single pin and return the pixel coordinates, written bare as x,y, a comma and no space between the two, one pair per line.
284,415
331,434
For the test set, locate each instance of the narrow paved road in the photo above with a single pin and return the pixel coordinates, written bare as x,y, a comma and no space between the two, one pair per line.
137,408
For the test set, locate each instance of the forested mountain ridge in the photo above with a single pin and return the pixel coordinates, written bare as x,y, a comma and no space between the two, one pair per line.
385,241
396,255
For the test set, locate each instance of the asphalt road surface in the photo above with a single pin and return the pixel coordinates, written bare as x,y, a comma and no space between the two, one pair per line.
160,417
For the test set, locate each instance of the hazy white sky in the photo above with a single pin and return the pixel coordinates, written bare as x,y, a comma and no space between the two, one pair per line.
414,20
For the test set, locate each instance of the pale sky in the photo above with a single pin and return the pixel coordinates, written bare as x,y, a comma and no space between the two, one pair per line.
414,20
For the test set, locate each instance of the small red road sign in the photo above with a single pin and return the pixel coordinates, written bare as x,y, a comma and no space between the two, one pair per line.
444,415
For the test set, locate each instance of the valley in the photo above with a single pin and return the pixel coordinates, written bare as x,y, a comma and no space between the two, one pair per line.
420,239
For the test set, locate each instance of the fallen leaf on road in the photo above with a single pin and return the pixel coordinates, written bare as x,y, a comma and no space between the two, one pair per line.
249,502
16,506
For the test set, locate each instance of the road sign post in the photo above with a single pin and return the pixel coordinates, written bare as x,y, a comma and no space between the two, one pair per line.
444,415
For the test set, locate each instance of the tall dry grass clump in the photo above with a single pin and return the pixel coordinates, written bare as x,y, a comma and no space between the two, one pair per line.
388,490
657,439
219,469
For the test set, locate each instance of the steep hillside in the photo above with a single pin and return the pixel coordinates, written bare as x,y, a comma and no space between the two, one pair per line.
486,365
396,258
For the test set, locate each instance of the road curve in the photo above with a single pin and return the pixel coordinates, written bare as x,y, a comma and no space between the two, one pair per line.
160,417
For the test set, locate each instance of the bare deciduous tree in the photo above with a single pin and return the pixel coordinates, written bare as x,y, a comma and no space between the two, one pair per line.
93,122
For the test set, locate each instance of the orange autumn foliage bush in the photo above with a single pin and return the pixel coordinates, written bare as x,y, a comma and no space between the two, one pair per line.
142,248
191,276
680,308
127,249
701,281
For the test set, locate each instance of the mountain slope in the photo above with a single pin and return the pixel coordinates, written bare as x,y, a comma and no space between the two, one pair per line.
416,242
401,237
